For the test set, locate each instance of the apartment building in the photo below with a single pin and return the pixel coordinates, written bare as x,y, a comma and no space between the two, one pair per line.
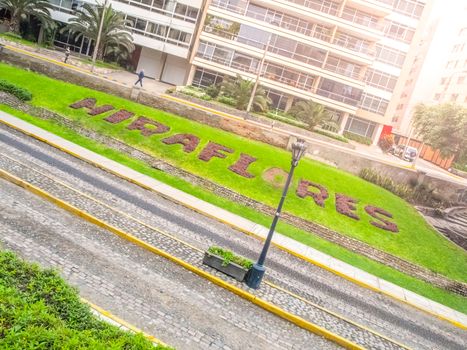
162,32
347,55
453,83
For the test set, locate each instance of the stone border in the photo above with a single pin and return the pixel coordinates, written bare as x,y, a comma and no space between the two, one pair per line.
349,243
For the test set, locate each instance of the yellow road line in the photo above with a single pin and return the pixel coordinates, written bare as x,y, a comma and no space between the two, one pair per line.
122,322
197,249
236,227
216,280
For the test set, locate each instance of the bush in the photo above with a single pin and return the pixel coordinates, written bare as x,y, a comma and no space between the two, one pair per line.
331,135
38,307
19,92
227,100
229,257
358,138
330,126
213,90
414,192
461,167
386,142
283,117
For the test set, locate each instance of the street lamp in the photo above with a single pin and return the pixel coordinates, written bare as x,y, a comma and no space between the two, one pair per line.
256,273
98,40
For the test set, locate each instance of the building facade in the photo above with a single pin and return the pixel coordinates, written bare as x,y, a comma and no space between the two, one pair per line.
163,32
452,86
347,55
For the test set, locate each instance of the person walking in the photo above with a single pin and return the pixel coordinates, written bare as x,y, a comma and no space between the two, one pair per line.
140,77
67,54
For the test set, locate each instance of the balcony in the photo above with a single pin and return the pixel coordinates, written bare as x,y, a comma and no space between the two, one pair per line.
378,7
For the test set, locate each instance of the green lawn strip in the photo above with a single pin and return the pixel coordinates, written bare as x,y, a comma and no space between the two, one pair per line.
38,309
449,299
416,241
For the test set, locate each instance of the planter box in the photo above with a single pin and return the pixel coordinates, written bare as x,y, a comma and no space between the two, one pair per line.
233,270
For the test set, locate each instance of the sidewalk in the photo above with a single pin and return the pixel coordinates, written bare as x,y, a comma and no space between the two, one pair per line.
280,241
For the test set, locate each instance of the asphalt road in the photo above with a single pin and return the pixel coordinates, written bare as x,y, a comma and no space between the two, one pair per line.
395,320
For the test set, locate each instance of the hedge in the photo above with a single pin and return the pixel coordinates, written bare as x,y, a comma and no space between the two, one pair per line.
19,92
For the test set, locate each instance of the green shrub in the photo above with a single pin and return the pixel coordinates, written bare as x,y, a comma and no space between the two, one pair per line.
19,92
213,90
227,100
331,126
370,175
229,257
286,118
461,167
358,138
38,307
331,135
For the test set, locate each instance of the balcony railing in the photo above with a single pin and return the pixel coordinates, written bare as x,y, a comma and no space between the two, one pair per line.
325,6
353,44
361,18
338,97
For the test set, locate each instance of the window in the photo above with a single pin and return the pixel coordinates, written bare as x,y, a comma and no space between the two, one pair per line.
410,8
399,31
339,92
360,127
357,16
380,80
374,104
279,100
390,56
343,67
205,78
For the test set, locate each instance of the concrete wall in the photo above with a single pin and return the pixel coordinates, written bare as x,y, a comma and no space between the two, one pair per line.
341,158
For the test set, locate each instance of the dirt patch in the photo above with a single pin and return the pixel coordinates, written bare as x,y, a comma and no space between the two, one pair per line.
275,177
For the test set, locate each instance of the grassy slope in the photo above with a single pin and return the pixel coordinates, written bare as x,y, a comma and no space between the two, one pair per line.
452,300
39,310
416,241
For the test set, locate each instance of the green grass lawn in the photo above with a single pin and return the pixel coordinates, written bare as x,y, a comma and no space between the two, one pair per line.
452,300
38,310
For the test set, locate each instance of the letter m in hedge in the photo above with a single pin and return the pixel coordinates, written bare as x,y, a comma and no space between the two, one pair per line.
90,103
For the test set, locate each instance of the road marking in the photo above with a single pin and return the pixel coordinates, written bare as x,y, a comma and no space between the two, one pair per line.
122,322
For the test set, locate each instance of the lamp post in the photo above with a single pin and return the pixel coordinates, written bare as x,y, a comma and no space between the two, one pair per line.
98,40
256,273
258,74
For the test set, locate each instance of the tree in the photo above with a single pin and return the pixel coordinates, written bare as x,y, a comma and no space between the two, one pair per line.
444,127
114,37
23,10
309,112
240,89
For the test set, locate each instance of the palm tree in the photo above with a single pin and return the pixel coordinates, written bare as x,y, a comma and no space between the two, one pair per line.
23,10
114,36
240,89
309,112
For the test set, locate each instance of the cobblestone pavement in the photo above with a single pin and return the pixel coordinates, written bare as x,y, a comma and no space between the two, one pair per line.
398,321
157,296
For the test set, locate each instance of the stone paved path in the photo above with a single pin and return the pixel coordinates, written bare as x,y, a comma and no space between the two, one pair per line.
140,287
414,328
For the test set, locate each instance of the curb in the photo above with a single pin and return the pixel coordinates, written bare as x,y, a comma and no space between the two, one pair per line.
122,322
216,280
233,225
